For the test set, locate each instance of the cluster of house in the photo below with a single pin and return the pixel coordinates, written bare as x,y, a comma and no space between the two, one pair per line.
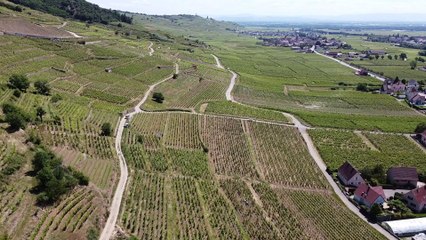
410,91
399,177
351,56
400,40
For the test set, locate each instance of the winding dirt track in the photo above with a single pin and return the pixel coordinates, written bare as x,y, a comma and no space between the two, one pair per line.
314,153
114,210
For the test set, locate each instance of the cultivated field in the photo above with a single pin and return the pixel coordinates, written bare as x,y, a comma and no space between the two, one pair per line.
336,147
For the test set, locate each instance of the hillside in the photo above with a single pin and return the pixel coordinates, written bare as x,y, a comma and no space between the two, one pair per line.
76,9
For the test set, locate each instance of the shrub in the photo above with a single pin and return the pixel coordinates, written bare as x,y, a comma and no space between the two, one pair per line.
17,93
56,98
362,87
106,129
158,97
420,128
42,87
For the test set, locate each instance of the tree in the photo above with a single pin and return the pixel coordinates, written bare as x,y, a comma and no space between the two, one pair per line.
40,113
106,129
377,57
375,211
19,82
420,128
396,57
16,121
413,64
175,76
158,97
42,87
389,57
383,57
403,56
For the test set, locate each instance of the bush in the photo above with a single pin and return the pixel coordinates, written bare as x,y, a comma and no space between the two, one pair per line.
158,97
362,87
106,129
19,82
420,128
17,93
42,87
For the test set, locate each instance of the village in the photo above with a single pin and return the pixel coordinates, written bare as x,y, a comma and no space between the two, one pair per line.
418,42
395,198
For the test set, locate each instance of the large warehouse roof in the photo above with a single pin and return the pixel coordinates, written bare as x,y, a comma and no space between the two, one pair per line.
406,227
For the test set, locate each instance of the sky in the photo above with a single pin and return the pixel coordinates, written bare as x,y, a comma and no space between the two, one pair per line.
271,8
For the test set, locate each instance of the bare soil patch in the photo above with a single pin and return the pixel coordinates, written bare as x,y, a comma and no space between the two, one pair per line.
21,27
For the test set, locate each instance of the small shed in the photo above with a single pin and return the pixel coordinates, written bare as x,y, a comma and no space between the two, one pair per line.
406,228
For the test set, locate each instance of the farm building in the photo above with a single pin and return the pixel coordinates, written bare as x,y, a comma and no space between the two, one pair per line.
416,199
349,175
405,228
413,85
403,176
393,87
368,196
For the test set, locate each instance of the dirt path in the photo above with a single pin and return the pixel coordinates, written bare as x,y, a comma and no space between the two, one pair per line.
218,63
114,210
316,156
151,50
72,33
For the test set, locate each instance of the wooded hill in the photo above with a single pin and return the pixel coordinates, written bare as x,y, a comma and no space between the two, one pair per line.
76,9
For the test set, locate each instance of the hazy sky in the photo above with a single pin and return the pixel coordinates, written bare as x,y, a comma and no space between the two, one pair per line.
288,8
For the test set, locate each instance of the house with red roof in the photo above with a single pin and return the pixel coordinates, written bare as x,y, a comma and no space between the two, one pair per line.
416,199
368,195
403,177
349,175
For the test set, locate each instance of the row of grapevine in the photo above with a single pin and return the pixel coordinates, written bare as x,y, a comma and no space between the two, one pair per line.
145,210
228,146
283,156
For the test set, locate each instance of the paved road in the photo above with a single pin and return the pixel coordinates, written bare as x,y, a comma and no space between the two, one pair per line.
373,75
121,186
319,161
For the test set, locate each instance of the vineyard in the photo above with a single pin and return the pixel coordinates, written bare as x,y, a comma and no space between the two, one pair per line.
336,147
194,86
325,216
229,148
283,156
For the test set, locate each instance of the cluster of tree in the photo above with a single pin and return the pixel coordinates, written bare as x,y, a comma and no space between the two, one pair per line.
76,9
422,53
375,175
11,7
53,178
106,129
15,116
20,83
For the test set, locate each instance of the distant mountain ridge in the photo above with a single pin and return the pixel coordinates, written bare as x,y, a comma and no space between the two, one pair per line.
76,9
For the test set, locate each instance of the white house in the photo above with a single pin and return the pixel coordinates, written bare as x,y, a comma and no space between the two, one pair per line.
349,175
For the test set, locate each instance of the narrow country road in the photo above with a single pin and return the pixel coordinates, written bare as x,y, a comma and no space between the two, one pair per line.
151,50
315,155
114,210
373,75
